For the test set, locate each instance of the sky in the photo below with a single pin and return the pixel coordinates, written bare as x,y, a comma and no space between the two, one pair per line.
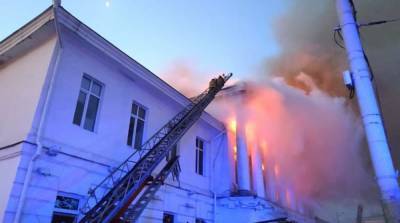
214,36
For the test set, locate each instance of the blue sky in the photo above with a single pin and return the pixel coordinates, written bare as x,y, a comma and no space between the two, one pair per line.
215,36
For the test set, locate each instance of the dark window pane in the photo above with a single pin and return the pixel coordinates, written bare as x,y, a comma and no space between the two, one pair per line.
197,161
85,83
139,133
134,109
96,89
63,218
199,220
197,142
130,131
142,113
201,144
168,218
67,203
80,105
200,162
91,113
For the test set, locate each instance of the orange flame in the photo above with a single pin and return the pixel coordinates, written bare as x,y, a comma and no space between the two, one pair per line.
232,125
250,131
235,152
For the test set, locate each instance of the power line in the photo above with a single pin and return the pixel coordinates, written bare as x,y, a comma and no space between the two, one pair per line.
379,22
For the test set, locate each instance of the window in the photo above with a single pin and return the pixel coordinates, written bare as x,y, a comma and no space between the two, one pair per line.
136,126
88,103
199,220
199,156
168,218
66,209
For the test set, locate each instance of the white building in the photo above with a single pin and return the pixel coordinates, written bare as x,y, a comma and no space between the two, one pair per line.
74,106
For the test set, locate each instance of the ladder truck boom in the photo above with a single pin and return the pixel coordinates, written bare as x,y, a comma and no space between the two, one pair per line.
114,194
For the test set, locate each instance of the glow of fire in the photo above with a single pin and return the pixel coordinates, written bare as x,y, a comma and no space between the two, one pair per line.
287,196
262,167
232,125
250,131
235,152
276,170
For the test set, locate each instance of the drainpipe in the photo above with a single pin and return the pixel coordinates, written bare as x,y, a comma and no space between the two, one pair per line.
213,176
39,146
386,176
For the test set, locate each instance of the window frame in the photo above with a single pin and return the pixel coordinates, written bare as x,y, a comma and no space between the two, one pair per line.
169,213
86,102
197,150
136,117
67,212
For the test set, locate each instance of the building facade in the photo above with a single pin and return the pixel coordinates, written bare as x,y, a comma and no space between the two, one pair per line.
74,107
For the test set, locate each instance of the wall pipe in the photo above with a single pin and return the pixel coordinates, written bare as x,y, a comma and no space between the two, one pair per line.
39,147
386,176
213,175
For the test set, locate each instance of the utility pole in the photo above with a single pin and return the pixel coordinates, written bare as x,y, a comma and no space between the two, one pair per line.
386,176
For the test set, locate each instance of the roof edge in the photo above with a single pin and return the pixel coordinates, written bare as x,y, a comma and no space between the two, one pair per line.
25,31
71,22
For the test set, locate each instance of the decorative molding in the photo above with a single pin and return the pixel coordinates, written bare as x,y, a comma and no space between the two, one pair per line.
24,32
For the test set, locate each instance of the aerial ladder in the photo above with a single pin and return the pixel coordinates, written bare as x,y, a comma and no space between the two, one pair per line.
132,180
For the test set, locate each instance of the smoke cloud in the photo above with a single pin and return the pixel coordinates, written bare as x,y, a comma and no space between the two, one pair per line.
313,135
310,141
305,35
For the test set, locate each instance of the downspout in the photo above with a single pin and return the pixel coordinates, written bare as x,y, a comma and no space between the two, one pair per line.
39,147
212,178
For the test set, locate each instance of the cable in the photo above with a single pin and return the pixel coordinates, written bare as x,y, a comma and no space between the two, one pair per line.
379,22
335,32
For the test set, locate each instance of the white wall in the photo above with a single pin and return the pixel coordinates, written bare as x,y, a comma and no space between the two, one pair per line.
107,145
21,81
8,165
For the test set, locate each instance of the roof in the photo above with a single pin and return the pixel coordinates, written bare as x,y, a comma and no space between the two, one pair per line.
39,28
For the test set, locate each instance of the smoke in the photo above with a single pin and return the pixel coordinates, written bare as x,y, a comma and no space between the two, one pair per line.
187,78
310,142
305,37
301,110
182,75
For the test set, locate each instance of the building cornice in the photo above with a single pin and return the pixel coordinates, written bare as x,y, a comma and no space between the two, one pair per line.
92,37
25,31
83,31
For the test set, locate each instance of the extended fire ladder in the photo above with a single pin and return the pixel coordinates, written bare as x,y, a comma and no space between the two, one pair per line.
133,213
109,200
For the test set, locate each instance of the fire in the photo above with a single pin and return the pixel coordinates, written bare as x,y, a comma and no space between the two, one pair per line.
232,125
235,152
263,167
250,131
